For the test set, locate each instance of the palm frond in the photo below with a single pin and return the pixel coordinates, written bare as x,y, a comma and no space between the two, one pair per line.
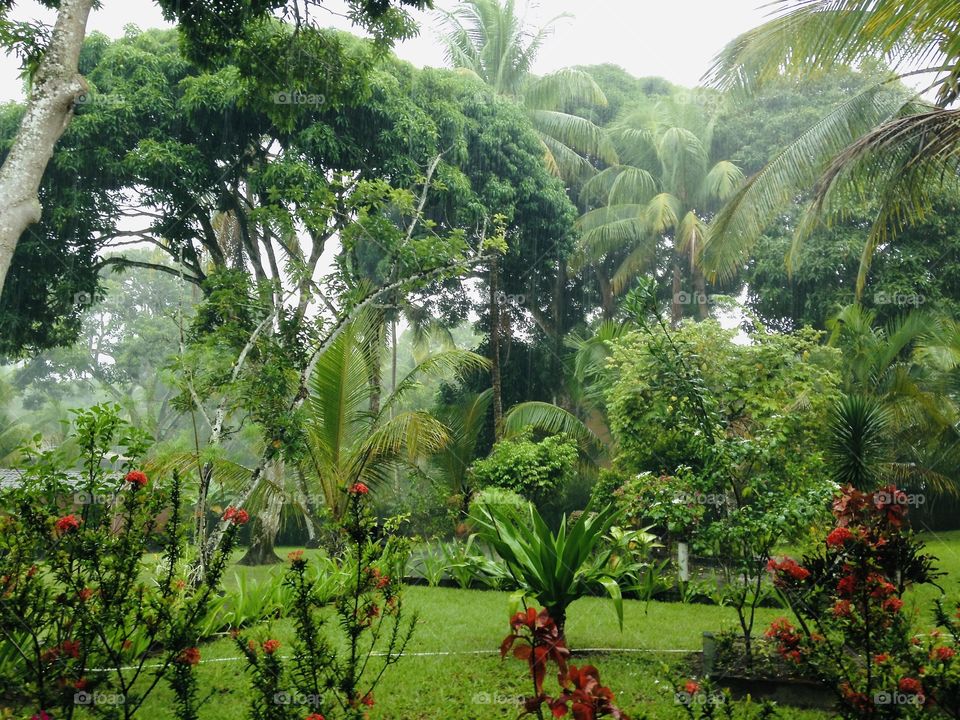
744,217
552,420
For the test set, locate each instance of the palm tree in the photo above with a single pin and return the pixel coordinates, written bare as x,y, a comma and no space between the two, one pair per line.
347,442
897,419
490,40
885,145
658,202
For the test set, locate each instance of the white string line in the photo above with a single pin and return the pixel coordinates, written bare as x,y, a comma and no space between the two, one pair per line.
438,653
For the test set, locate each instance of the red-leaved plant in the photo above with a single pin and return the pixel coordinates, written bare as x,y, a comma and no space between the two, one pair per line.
535,638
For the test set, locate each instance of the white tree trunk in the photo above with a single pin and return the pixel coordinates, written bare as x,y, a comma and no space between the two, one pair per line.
55,86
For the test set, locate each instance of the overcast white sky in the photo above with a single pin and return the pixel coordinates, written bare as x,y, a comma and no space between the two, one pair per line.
675,39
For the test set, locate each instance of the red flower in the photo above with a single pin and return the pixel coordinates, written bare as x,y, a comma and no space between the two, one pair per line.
136,478
892,604
911,686
842,608
295,556
787,572
271,646
85,594
847,585
942,653
368,700
236,516
314,716
358,489
881,658
692,687
67,523
42,715
190,656
838,537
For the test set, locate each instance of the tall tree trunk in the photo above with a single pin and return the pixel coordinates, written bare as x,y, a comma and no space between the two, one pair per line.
56,85
700,290
376,368
266,524
606,295
496,379
676,306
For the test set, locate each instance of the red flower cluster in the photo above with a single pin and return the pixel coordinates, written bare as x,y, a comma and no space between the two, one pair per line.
190,656
838,537
942,654
788,639
67,523
314,716
847,585
236,516
358,489
842,608
893,605
271,646
68,648
379,578
136,478
692,687
910,686
85,594
787,572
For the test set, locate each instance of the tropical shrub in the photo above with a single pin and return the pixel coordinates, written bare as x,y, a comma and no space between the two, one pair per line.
555,568
71,576
852,631
534,469
335,667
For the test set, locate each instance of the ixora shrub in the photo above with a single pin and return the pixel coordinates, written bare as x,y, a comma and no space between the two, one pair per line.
555,568
331,677
535,638
852,630
81,620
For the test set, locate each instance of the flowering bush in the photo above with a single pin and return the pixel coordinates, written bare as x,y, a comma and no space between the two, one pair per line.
320,680
851,629
536,639
85,626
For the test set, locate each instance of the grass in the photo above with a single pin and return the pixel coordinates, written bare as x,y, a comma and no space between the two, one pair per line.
453,670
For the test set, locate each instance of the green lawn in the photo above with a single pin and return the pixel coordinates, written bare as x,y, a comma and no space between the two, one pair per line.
453,671
460,675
